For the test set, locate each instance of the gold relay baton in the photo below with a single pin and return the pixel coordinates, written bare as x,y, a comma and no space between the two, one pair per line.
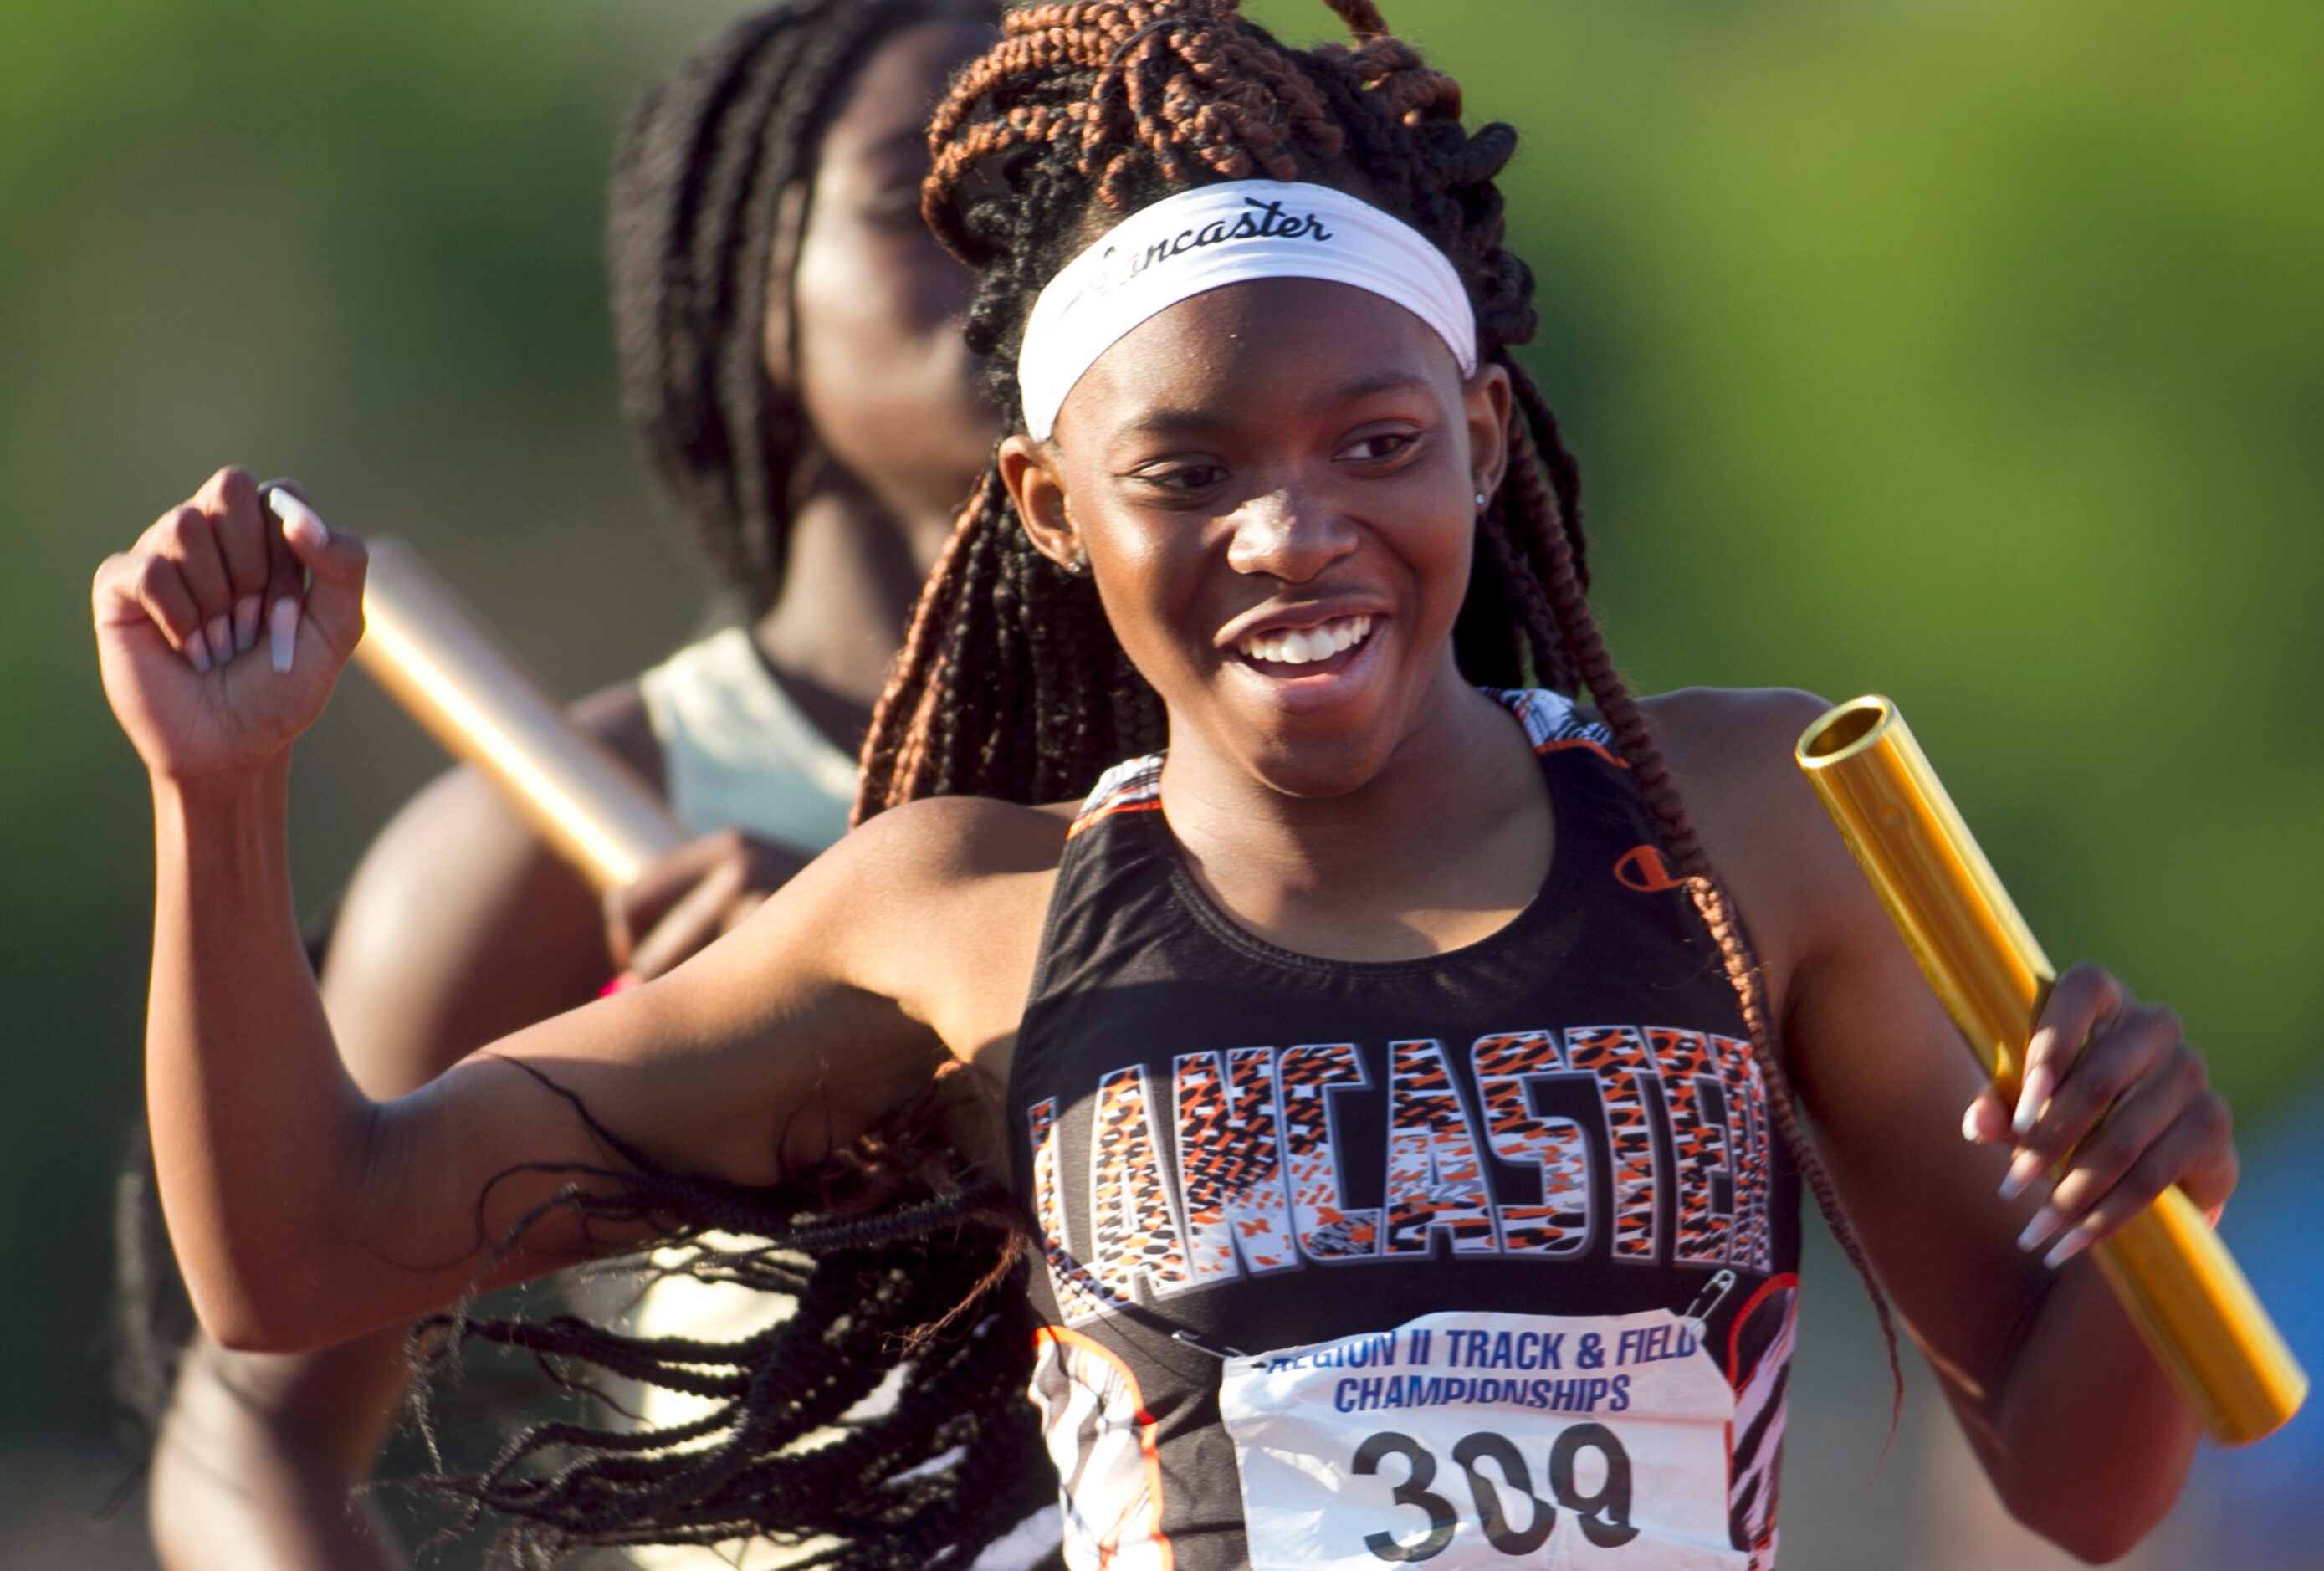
2180,1285
437,658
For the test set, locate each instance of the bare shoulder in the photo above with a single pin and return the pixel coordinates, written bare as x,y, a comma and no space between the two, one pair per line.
939,904
954,839
1732,736
1731,749
1771,840
939,869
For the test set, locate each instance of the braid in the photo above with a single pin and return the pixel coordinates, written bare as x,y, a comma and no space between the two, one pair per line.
1011,684
708,200
892,1252
1571,623
1130,99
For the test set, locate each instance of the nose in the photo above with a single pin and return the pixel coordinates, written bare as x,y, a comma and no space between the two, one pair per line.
1289,535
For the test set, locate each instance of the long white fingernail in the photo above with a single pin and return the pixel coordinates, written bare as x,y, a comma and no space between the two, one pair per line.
282,631
298,518
2022,1171
2045,1221
2032,1097
221,636
246,613
2068,1247
198,650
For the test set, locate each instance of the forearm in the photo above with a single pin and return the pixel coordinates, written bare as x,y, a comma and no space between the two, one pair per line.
260,1456
2089,1442
259,1136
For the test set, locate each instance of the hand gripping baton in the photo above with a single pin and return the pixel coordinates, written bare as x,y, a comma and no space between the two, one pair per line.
2178,1281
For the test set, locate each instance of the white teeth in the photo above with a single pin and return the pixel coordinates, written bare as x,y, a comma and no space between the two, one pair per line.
1305,646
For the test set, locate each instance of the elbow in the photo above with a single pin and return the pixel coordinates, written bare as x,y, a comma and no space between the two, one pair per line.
2103,1544
2096,1508
2098,1530
271,1279
258,1312
245,1327
273,1327
253,1336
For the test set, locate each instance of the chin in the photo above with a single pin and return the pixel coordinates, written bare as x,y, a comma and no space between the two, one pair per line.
1318,756
1304,783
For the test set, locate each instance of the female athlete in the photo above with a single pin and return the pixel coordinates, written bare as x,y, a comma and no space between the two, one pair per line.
1398,1066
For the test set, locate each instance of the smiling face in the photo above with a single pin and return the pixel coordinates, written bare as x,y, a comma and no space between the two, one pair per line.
1274,485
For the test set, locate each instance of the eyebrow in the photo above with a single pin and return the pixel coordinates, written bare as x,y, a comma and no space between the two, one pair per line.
1390,380
1173,418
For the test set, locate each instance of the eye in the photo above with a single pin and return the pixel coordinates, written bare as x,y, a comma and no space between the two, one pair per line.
1378,447
1184,477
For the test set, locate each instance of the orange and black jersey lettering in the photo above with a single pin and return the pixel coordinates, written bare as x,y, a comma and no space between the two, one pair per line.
1228,1148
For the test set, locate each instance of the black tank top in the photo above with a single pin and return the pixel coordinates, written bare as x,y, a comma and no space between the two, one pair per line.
1484,1260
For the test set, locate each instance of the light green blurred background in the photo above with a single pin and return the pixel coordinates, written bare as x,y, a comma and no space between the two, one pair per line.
1966,350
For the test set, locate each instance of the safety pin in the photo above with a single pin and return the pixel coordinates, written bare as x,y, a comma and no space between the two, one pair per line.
1215,1353
1714,1293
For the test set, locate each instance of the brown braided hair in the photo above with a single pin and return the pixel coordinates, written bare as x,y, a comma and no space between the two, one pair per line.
1012,684
1091,109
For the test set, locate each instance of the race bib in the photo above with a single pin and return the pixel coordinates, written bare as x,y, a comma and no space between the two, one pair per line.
1476,1442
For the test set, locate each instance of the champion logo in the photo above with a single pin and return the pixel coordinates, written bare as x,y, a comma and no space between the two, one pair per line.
1260,221
1642,868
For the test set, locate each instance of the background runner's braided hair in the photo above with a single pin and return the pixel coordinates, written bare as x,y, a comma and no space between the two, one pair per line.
709,198
886,1249
708,205
1012,684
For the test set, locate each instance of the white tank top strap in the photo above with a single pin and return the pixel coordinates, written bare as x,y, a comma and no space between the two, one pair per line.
737,752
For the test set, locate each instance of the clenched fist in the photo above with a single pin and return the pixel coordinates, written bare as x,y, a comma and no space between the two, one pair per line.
222,631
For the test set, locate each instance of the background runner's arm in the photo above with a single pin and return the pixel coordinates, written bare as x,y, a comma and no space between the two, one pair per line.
260,1454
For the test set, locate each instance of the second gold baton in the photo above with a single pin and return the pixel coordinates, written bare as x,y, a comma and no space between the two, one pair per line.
436,657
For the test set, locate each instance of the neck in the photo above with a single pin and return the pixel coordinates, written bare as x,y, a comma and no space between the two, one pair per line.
852,570
1453,784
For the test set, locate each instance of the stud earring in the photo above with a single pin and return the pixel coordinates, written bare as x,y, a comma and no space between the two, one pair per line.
1481,502
1078,568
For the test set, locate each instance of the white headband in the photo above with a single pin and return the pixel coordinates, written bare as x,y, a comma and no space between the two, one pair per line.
1211,236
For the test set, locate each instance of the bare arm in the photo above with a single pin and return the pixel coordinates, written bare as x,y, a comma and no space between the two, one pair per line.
2084,1437
303,1211
458,926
